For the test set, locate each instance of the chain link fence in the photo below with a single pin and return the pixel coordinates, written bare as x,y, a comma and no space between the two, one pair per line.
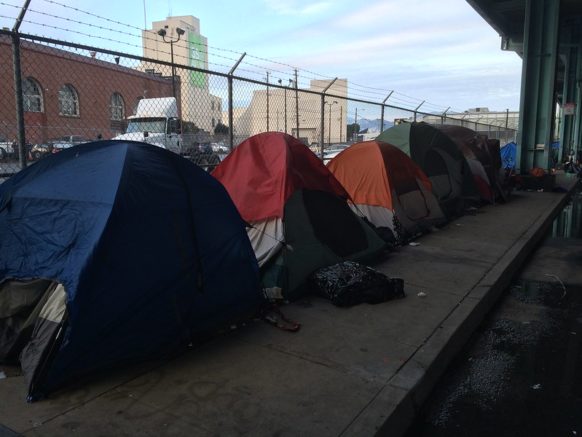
57,94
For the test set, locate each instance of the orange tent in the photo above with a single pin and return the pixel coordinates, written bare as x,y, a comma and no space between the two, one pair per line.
388,188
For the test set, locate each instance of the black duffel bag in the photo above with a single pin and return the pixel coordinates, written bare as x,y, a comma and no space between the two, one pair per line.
350,283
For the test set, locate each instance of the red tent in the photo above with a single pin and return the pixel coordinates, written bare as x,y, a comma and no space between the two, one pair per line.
298,212
263,171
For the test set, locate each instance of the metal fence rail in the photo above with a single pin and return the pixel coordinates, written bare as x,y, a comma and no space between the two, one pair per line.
57,94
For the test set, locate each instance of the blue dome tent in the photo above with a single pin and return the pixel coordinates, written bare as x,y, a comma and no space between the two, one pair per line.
115,252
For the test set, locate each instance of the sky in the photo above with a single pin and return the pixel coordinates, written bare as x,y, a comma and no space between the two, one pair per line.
438,51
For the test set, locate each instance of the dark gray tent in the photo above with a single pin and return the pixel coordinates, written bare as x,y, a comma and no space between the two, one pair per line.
442,161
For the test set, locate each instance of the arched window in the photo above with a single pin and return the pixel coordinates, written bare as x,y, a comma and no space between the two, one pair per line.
117,107
68,101
32,94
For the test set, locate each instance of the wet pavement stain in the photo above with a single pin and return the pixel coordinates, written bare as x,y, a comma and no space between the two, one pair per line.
521,373
517,377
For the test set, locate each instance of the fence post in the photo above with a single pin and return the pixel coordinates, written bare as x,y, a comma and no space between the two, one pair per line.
297,104
268,102
382,113
21,132
17,69
230,108
322,119
416,109
444,116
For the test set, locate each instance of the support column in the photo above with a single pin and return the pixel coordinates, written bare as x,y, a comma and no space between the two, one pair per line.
577,135
537,83
569,96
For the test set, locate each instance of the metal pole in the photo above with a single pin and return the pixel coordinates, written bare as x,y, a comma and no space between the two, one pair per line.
230,115
444,116
285,124
382,115
17,70
322,118
173,69
321,125
329,127
230,104
297,104
341,121
21,132
267,101
415,111
355,124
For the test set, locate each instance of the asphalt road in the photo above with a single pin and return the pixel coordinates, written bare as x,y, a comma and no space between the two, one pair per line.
521,375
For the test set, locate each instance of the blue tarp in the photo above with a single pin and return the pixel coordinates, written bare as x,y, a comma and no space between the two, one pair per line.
508,155
149,247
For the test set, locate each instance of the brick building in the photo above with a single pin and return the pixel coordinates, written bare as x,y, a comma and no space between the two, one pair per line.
71,93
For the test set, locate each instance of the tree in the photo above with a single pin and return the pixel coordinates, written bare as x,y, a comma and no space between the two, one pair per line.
189,127
221,129
352,130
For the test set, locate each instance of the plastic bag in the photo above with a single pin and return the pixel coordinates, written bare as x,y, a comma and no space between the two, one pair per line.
350,283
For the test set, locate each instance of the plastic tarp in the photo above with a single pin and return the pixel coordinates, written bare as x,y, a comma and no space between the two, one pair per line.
267,238
508,155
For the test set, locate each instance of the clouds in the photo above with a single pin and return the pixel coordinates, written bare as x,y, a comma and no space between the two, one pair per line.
440,51
297,7
403,45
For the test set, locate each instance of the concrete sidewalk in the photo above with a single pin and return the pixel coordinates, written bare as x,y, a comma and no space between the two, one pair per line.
348,371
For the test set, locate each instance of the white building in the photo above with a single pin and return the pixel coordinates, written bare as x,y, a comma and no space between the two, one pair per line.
197,104
275,110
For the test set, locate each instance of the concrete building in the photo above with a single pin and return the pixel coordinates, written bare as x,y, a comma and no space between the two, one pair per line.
275,109
190,49
70,93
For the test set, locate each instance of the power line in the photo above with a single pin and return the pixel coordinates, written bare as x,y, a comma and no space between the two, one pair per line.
356,90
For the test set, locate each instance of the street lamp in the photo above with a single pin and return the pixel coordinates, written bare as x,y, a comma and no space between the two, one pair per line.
163,34
329,127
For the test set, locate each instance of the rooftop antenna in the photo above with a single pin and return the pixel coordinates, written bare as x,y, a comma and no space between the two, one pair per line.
145,21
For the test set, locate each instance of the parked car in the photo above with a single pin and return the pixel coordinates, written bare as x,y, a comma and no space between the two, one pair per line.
204,156
7,148
333,150
56,145
66,142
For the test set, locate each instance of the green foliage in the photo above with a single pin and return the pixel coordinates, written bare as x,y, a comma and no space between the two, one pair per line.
189,127
221,129
352,130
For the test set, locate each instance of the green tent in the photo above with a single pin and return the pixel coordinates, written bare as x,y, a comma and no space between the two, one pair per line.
442,161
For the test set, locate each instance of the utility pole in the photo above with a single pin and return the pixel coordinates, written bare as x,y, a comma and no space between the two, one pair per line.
354,133
341,121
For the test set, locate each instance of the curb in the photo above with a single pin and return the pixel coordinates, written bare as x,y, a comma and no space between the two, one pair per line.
396,405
